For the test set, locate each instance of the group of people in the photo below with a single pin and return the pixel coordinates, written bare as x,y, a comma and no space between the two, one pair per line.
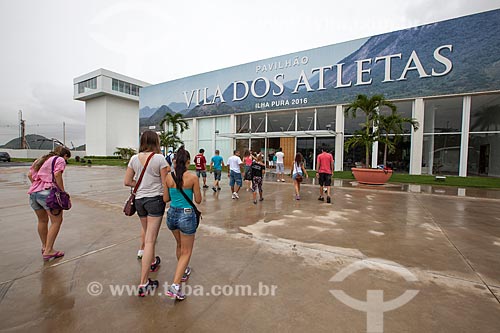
254,168
162,180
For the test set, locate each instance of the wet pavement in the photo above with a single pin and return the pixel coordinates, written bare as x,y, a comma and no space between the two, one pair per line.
375,243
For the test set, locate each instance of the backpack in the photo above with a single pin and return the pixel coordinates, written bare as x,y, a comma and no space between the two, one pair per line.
168,158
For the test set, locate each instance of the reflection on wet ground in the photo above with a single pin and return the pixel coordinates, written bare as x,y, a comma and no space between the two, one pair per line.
447,238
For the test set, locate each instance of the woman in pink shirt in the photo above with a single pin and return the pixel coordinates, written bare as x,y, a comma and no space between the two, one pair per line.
248,159
40,175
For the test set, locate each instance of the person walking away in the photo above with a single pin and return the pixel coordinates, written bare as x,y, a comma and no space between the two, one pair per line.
247,160
280,166
201,165
216,164
270,159
181,218
148,201
324,171
234,173
40,176
258,171
298,173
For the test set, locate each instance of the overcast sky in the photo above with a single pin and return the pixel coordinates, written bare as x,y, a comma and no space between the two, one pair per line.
45,44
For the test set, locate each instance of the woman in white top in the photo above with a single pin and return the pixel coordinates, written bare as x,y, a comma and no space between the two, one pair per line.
148,201
298,169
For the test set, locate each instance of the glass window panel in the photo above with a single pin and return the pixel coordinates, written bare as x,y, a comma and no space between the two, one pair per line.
115,84
205,129
188,134
305,120
223,124
326,119
485,113
242,123
242,145
404,109
443,115
399,161
207,146
258,145
484,155
305,146
281,121
351,125
441,154
258,122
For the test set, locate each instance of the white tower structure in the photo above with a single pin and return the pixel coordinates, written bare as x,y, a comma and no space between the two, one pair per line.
111,110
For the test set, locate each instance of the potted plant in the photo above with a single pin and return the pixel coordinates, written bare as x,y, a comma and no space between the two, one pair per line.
376,127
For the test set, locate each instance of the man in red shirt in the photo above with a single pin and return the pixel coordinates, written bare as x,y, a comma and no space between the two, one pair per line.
324,171
201,166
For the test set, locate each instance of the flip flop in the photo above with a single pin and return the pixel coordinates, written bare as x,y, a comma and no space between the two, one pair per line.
58,254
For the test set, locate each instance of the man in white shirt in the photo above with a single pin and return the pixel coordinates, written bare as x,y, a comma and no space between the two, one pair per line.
234,173
280,166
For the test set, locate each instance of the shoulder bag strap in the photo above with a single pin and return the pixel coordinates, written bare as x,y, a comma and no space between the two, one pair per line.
53,165
185,196
142,173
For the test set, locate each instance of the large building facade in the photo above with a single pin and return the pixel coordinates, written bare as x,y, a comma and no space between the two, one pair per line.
446,75
111,110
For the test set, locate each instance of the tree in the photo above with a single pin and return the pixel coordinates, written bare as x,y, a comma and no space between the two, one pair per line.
169,139
178,125
125,153
368,133
390,129
175,121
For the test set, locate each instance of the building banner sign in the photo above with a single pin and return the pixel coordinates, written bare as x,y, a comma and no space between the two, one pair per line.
450,57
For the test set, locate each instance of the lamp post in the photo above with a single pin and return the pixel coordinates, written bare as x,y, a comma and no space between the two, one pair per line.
215,139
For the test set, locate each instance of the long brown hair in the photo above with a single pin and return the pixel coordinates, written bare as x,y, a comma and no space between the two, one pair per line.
181,157
299,158
150,142
59,151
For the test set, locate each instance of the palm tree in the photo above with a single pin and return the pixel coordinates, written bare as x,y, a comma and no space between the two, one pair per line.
177,124
124,153
169,139
369,133
175,121
390,129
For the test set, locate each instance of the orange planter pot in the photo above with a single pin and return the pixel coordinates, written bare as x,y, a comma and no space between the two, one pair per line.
371,176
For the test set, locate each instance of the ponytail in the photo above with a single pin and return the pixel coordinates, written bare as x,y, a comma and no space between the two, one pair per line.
181,157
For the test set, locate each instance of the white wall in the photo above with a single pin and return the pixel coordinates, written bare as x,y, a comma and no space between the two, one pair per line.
95,126
122,127
111,122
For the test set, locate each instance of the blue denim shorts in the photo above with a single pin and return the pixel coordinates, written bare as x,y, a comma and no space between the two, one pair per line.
38,200
183,219
152,206
235,177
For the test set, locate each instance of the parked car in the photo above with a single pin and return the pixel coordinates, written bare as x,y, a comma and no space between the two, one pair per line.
4,156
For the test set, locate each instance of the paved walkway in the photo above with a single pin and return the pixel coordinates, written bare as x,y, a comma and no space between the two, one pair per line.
442,246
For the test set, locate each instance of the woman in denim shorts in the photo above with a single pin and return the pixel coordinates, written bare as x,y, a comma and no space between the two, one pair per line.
148,201
181,218
40,175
